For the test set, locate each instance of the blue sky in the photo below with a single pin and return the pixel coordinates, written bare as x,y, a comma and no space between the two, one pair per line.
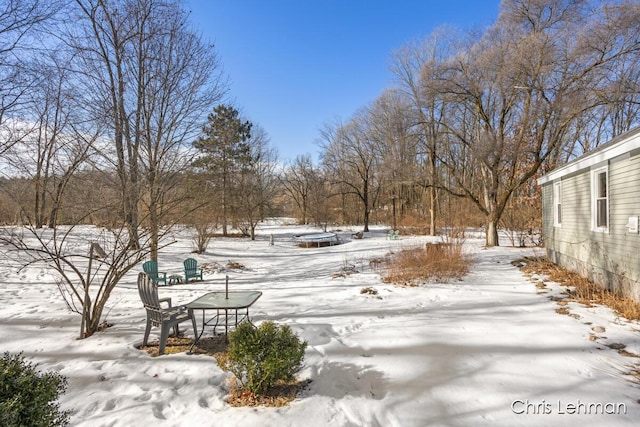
294,65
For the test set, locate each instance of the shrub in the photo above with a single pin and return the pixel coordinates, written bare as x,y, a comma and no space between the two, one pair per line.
434,262
260,357
28,398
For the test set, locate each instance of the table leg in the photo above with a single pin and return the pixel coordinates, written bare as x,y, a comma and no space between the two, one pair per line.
197,338
226,326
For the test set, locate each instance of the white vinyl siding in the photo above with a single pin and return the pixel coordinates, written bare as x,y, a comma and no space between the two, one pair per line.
598,195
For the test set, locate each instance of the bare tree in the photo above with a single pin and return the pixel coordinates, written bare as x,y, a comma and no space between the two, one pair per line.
19,21
309,188
297,181
257,183
174,72
390,124
148,79
417,66
56,144
351,158
86,277
103,35
517,93
199,207
320,198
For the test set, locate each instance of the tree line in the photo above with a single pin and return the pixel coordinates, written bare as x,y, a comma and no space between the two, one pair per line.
476,116
112,113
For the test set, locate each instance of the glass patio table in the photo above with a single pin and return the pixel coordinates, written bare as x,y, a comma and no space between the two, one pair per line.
236,302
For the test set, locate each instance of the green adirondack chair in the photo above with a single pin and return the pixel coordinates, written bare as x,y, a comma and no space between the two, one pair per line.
191,270
393,235
151,269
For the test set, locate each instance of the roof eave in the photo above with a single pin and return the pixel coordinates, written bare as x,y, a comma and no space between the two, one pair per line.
629,141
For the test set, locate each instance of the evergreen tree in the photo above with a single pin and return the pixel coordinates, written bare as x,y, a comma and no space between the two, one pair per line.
225,151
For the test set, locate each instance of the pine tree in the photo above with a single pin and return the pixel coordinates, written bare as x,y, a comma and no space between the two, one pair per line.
225,150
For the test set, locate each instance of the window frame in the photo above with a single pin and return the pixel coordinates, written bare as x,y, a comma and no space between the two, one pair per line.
598,199
557,203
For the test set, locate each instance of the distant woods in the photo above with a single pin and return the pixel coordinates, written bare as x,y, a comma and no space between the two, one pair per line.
113,113
474,117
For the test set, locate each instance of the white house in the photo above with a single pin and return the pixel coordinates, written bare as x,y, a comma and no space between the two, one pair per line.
590,214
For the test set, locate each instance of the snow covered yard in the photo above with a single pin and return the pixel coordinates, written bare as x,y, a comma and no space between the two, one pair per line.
487,350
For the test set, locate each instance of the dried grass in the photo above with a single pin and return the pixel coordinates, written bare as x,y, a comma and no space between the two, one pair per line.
582,290
435,262
210,346
279,395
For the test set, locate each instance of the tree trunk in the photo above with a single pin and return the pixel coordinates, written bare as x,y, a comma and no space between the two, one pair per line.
492,233
304,210
224,204
365,202
432,194
393,208
53,215
154,225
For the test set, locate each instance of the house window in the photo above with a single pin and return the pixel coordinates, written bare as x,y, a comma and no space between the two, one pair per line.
557,203
600,199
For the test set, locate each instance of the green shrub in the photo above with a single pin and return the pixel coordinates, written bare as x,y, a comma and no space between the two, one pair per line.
260,357
29,398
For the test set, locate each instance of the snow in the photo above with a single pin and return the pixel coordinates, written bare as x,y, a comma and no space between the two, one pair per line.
487,350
